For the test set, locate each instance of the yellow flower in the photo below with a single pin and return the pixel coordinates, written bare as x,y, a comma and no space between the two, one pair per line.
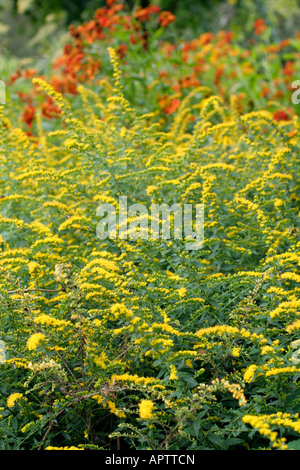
26,427
189,363
32,265
182,292
263,424
44,319
145,409
13,398
283,370
113,409
34,340
150,190
236,352
249,373
119,310
266,350
50,91
63,448
173,374
98,398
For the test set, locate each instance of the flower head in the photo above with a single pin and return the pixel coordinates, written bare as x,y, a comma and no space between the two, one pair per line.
13,398
34,340
145,409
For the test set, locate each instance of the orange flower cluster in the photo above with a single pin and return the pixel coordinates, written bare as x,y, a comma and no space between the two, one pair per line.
144,14
166,18
211,60
260,26
168,104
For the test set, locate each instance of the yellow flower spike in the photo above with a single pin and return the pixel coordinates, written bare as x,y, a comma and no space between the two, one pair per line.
173,374
249,373
182,292
13,398
58,98
146,409
34,341
115,63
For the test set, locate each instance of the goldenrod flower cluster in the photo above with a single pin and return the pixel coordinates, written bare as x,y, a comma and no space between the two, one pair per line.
13,398
34,340
146,409
261,423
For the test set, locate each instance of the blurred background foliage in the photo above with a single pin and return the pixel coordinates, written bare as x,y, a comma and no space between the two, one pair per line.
33,28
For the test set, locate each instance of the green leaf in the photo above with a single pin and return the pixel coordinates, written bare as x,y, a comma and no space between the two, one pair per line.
215,439
294,445
196,425
191,381
232,441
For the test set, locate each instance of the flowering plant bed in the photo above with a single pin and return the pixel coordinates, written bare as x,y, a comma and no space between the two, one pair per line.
142,344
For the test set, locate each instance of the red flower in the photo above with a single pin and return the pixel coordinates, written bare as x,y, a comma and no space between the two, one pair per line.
281,115
15,76
259,26
28,115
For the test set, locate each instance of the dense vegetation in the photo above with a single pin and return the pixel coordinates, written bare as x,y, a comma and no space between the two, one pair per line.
142,344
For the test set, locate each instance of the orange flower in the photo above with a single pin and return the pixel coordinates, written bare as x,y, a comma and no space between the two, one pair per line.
65,84
28,115
224,37
132,39
205,38
143,14
29,73
15,76
169,105
165,18
25,97
259,26
49,109
121,51
218,74
278,47
189,82
266,90
289,68
278,94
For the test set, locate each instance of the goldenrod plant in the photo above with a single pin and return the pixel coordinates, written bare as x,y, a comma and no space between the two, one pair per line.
142,344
